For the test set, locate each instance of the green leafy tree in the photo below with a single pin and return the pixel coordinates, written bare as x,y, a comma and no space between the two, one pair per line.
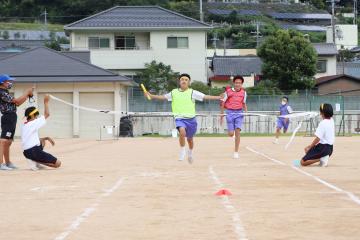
289,60
53,45
158,77
5,35
206,89
345,55
265,87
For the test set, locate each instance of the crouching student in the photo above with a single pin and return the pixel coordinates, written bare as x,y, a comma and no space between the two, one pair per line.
322,146
33,146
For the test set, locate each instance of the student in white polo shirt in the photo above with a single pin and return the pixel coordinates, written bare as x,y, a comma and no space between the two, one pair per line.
321,148
32,145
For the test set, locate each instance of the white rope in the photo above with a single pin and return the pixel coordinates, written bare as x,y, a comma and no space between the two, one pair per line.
162,114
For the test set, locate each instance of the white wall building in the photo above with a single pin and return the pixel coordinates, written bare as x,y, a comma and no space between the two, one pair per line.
346,36
72,80
124,39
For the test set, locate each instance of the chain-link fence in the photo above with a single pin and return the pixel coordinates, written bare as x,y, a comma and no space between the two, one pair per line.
346,110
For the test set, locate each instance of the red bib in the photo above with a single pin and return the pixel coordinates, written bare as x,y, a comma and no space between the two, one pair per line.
235,100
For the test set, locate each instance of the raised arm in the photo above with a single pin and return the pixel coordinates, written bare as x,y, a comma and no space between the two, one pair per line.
20,100
46,106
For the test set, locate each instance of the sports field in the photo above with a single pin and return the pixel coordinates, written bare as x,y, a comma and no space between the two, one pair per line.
135,188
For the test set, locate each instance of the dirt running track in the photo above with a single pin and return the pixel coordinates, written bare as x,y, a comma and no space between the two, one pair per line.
136,189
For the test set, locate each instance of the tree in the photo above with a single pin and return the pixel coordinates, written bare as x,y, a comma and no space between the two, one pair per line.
53,45
6,35
289,60
17,35
158,77
345,55
206,89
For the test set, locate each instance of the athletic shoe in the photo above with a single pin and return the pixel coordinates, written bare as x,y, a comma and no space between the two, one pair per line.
32,165
297,163
182,154
276,141
324,161
11,165
4,167
39,166
236,155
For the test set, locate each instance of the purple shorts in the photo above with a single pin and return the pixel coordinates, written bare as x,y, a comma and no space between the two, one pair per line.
283,123
234,119
189,124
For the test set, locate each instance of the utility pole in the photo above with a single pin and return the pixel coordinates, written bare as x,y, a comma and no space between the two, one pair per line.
333,19
201,11
355,12
333,23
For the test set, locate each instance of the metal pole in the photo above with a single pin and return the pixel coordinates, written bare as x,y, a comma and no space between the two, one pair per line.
333,19
201,11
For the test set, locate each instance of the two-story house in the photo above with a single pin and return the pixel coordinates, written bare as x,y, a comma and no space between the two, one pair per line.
124,38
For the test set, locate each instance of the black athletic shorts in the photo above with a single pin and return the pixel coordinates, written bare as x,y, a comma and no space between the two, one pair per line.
37,154
319,151
8,125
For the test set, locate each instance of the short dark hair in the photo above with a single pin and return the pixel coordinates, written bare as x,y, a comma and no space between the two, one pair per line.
185,75
285,97
28,111
238,77
327,110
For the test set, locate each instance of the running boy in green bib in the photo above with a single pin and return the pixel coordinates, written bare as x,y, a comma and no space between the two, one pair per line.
183,108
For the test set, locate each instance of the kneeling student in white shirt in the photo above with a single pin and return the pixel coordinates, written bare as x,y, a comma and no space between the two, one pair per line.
322,147
32,145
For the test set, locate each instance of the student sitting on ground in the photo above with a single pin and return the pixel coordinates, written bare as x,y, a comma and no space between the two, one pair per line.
322,147
32,145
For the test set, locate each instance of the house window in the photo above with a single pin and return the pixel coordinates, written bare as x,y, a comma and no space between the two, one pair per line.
178,42
125,42
321,66
97,42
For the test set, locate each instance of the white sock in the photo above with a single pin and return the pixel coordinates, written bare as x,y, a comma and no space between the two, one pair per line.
182,153
190,152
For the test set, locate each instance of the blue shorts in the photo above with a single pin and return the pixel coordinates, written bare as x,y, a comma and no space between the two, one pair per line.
189,124
283,123
234,119
37,154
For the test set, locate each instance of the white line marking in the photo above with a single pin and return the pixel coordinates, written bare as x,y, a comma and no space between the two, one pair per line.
88,211
351,196
46,188
239,229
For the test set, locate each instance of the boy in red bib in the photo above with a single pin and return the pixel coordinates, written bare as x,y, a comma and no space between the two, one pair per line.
235,104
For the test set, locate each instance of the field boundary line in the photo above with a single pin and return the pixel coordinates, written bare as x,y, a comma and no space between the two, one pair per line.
350,195
86,213
239,229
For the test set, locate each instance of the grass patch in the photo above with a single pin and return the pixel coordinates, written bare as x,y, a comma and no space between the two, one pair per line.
30,26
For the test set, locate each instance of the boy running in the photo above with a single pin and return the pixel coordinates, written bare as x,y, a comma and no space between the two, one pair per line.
8,105
183,108
283,123
32,145
235,104
321,148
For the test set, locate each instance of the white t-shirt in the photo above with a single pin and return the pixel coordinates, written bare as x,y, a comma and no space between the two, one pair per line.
30,133
226,97
326,131
196,95
289,109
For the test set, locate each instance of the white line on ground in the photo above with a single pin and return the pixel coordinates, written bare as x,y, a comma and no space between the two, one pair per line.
88,211
239,229
352,196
